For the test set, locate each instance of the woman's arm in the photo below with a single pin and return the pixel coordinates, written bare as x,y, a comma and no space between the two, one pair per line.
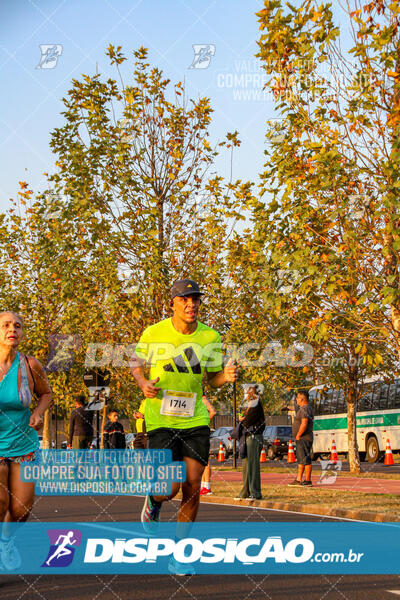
42,390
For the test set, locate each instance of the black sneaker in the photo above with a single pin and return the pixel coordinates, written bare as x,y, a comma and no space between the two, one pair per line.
306,482
295,482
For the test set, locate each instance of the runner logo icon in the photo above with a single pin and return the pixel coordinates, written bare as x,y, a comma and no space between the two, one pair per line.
62,547
50,55
203,54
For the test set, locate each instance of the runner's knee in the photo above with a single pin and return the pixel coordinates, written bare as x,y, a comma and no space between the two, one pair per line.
191,489
175,490
20,514
19,511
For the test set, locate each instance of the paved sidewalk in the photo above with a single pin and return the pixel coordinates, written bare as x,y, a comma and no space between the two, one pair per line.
361,483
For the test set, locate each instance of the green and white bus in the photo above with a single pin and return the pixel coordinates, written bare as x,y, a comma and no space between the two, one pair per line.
378,419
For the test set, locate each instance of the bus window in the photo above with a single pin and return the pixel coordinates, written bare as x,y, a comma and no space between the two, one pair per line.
374,403
365,402
330,402
382,395
392,395
312,398
334,401
325,402
320,402
341,403
396,399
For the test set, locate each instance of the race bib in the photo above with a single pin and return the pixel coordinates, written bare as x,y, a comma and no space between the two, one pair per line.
178,404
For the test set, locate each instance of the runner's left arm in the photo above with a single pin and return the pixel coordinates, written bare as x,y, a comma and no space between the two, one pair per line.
43,392
227,375
138,363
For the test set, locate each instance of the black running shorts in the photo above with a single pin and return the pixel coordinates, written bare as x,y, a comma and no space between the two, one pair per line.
193,442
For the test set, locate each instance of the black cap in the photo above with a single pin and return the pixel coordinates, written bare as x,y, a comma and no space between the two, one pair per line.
185,287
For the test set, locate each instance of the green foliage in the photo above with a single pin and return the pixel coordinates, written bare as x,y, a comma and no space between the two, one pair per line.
129,209
334,214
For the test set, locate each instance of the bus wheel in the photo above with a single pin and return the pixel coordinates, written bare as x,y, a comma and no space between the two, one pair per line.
372,449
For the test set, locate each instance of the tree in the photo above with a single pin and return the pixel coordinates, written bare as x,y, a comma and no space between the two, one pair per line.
130,207
44,266
134,164
335,209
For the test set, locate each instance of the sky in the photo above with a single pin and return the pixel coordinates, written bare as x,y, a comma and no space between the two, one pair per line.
77,34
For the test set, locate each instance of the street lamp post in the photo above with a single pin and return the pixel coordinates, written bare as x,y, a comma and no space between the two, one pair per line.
234,425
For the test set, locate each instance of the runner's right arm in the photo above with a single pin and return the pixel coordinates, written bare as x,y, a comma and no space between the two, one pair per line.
137,364
211,410
148,387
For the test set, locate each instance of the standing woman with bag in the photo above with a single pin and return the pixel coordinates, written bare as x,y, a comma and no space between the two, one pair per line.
20,377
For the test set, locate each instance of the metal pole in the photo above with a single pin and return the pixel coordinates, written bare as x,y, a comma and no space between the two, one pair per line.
234,425
55,423
97,423
103,421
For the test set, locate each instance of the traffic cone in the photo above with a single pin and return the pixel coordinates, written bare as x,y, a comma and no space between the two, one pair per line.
290,455
388,454
263,456
221,453
334,456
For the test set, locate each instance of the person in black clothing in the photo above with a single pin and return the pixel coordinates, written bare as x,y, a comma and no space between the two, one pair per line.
302,429
252,427
113,436
80,426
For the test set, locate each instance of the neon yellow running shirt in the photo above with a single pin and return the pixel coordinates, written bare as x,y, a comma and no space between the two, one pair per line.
179,360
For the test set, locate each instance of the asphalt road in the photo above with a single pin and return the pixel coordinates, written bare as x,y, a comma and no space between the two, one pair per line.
168,587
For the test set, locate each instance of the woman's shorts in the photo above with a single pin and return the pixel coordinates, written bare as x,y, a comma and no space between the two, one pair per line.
7,460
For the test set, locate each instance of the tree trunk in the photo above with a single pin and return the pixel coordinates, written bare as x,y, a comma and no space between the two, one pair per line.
354,458
393,255
395,318
46,430
103,424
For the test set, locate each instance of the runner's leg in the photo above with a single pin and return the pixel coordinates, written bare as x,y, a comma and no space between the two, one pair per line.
191,490
4,494
21,495
206,478
175,489
164,439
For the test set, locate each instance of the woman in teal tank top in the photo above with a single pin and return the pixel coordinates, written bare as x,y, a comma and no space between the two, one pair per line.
20,377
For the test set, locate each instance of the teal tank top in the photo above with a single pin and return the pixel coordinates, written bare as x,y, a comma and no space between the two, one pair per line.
16,437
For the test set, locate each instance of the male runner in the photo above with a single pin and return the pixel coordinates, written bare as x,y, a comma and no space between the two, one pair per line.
180,349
